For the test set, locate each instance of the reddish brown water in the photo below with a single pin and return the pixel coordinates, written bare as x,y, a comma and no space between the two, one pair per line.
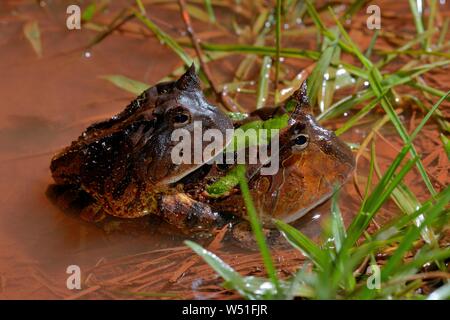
45,103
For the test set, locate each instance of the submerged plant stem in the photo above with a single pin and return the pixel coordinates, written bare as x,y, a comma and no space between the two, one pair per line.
256,227
278,46
226,101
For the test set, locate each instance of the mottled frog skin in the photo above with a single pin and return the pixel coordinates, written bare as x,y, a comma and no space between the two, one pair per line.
125,163
313,163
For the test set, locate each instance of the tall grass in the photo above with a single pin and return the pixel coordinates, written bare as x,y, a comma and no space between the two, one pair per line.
336,260
336,267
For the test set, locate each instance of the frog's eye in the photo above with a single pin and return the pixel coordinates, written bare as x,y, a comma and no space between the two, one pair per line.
181,117
300,142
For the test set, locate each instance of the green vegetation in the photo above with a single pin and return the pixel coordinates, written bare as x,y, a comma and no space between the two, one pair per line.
336,262
335,268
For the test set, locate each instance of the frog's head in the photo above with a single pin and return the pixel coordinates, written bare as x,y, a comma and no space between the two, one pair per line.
313,161
134,148
182,110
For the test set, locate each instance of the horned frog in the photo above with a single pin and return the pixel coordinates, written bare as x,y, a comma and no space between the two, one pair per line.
313,162
125,163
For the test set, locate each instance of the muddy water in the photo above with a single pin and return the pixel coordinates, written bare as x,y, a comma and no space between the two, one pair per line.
45,103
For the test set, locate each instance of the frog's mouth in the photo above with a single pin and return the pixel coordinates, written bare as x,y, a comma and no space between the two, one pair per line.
305,183
206,161
303,211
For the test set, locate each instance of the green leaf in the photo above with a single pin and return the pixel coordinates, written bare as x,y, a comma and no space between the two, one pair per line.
302,242
210,9
391,56
345,104
33,35
315,80
375,79
428,115
414,233
354,7
224,184
257,229
261,50
443,33
446,143
127,84
234,279
89,12
422,258
165,38
391,81
427,89
261,289
378,196
417,16
358,116
263,82
337,223
277,46
122,17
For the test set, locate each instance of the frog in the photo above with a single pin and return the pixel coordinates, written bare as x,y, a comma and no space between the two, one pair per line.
124,164
313,164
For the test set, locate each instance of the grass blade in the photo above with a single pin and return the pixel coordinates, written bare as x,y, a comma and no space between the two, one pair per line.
210,10
391,81
256,227
302,242
358,116
89,12
337,223
127,84
375,79
316,79
277,47
165,38
224,270
414,233
33,35
263,83
261,50
446,143
417,16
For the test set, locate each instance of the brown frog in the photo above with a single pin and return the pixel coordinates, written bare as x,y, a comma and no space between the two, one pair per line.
313,162
125,163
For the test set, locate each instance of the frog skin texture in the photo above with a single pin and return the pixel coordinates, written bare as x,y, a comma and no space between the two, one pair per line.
124,163
313,163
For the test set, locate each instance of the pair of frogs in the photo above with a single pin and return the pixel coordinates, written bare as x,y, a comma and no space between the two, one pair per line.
124,164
